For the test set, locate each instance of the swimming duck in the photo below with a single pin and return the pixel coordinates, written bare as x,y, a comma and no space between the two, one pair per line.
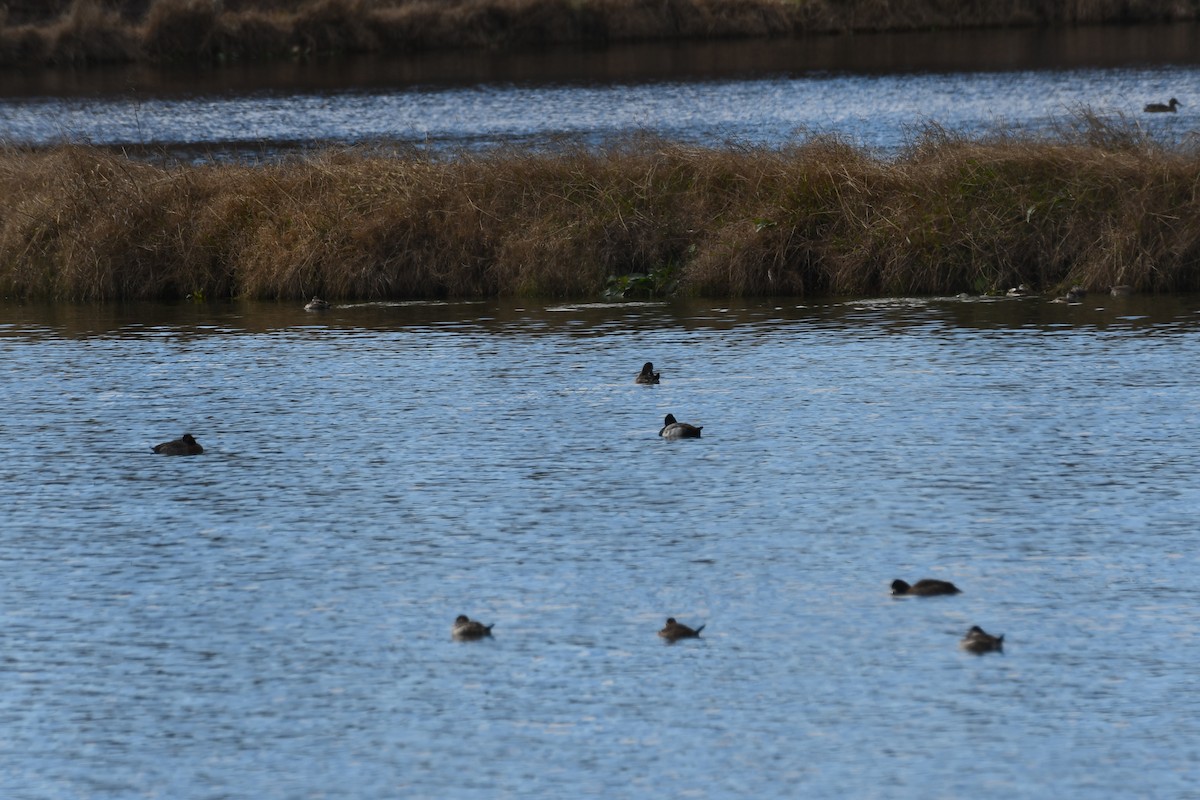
926,587
466,628
317,304
1019,291
647,375
1121,291
673,429
674,630
1158,108
1074,295
185,445
979,642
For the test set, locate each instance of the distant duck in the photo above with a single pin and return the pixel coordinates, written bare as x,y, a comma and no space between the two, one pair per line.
1074,295
185,445
673,429
1019,291
675,630
1121,291
926,587
317,304
647,375
466,628
977,641
1158,108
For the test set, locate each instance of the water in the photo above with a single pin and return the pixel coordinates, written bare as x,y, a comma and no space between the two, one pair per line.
271,619
876,91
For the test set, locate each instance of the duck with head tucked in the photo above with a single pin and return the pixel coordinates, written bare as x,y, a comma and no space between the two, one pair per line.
674,631
926,587
467,628
647,375
978,642
317,304
673,429
185,445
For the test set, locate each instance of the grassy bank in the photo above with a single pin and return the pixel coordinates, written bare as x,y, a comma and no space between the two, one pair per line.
94,31
1097,208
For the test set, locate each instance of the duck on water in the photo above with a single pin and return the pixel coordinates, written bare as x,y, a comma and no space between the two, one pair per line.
673,429
647,375
979,642
467,628
926,587
674,631
185,445
1159,108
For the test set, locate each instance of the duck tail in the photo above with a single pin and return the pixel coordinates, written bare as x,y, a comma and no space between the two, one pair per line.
700,629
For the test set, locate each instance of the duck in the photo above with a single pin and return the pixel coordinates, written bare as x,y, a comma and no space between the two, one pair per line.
467,628
1158,108
647,375
676,630
185,445
673,429
1019,291
317,304
1074,295
1120,291
976,641
926,587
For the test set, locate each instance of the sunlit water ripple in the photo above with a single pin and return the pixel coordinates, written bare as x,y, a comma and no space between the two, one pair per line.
881,112
271,619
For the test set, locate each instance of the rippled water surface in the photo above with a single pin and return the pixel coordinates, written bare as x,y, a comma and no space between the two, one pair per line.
876,91
271,619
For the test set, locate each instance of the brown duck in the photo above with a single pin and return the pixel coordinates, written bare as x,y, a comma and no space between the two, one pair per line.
647,375
978,642
673,631
467,628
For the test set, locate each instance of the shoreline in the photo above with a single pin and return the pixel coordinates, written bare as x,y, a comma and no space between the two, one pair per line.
199,32
975,50
1099,205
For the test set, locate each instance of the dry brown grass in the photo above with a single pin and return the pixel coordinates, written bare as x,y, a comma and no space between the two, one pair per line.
821,217
88,31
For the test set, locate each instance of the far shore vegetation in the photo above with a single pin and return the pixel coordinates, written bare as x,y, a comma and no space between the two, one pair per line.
82,32
1099,204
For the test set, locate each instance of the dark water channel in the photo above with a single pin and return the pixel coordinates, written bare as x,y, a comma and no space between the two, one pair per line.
875,90
271,619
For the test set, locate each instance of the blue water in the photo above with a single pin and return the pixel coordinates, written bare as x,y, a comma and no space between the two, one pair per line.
271,619
881,112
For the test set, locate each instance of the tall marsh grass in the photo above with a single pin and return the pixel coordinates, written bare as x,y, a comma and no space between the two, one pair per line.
821,217
86,31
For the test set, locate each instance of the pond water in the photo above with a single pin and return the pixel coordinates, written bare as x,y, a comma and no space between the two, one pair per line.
874,90
271,619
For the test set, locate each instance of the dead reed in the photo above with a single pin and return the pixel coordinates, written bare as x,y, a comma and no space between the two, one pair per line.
87,31
1091,207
